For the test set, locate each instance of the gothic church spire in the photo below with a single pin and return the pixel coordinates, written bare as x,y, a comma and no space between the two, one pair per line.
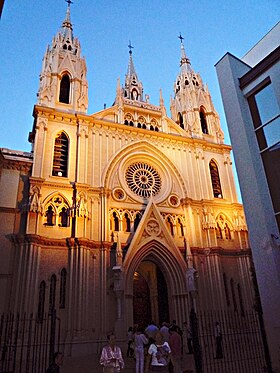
63,82
133,88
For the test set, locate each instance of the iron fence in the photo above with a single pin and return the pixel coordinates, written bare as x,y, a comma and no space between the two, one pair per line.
27,343
239,348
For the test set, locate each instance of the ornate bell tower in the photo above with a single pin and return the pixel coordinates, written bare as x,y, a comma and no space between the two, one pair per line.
63,83
133,89
192,108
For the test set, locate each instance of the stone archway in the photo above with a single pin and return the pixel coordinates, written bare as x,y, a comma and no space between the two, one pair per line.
150,295
156,260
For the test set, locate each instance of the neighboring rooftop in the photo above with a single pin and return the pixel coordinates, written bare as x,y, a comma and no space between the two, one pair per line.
264,47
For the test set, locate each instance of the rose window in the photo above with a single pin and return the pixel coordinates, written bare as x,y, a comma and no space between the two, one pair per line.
143,179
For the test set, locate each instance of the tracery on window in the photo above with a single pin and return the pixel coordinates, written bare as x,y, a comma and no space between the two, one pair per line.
56,212
143,179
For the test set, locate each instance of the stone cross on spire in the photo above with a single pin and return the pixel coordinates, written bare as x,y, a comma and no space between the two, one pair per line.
130,47
181,38
69,2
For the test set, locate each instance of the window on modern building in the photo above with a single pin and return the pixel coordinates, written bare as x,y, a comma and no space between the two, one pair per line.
215,179
52,293
41,300
203,121
62,294
60,156
265,113
64,93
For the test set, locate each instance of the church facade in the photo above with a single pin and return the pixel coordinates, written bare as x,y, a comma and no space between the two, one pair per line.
123,216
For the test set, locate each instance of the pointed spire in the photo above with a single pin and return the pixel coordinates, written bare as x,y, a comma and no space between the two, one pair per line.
67,29
185,63
131,69
133,89
161,103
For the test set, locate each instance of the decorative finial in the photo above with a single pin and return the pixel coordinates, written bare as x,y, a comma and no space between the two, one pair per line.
181,38
69,2
130,47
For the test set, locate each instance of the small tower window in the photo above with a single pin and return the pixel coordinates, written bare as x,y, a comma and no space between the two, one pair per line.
203,121
60,158
215,178
64,94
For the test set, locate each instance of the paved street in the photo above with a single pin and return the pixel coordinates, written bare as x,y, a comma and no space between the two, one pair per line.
90,364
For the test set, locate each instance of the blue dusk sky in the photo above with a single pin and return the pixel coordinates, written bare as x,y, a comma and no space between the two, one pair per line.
104,28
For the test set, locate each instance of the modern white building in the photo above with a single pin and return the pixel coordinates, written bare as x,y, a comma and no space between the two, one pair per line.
250,88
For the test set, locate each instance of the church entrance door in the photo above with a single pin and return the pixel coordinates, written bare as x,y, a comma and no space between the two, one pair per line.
150,295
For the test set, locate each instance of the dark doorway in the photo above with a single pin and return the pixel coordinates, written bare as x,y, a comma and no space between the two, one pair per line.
141,301
150,295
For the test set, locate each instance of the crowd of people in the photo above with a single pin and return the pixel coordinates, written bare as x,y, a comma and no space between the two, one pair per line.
155,349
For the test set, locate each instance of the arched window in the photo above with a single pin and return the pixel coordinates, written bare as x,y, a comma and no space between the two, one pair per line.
219,234
64,93
62,294
52,293
227,232
63,217
136,222
151,128
215,178
127,222
50,216
116,221
126,122
225,280
180,119
41,300
131,123
203,121
144,126
139,125
233,294
60,156
181,227
156,129
170,226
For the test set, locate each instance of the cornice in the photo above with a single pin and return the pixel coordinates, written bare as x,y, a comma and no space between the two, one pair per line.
107,126
221,252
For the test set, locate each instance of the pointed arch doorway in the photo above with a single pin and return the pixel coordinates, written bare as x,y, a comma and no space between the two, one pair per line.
150,295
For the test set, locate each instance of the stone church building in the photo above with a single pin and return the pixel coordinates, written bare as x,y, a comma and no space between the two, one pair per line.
123,216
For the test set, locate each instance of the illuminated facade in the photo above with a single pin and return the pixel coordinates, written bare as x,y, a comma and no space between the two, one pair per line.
110,211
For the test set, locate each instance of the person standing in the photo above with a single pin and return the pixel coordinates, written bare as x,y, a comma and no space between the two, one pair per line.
175,342
150,331
188,335
130,351
218,337
140,340
165,331
111,356
158,355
